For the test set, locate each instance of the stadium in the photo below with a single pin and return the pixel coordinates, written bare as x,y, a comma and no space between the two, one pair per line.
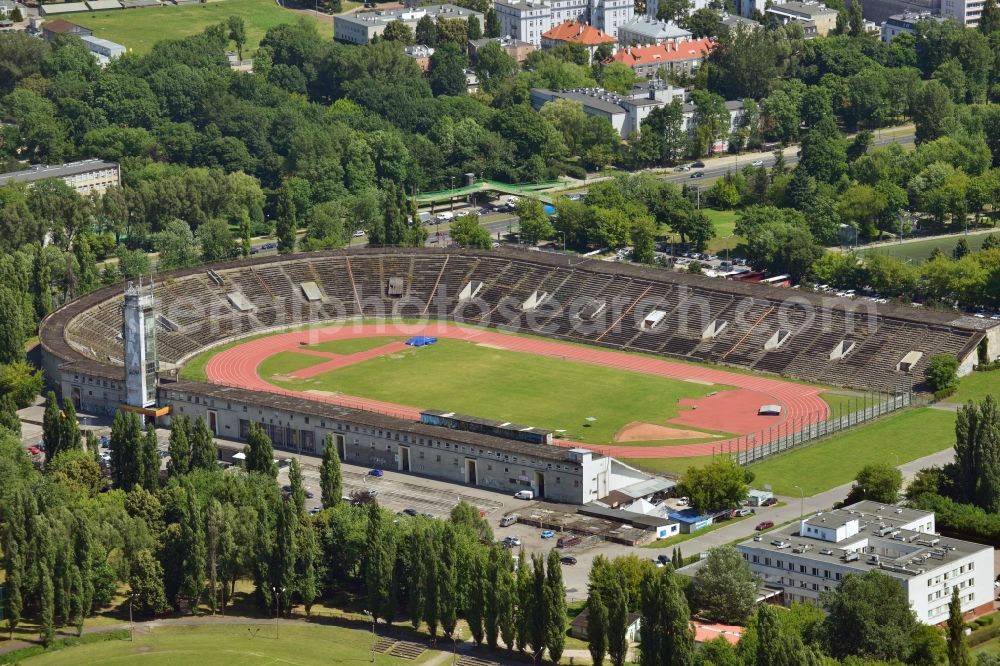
597,360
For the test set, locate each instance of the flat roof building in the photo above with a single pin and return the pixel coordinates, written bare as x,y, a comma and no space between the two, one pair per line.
104,49
905,22
813,556
362,27
515,48
816,18
624,112
645,30
85,176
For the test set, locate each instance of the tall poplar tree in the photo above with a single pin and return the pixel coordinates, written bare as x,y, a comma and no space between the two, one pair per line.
555,603
259,452
958,647
597,627
203,450
286,224
330,479
179,446
149,468
52,428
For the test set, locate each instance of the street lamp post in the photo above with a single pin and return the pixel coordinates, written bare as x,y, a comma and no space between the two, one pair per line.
451,197
372,616
131,625
277,594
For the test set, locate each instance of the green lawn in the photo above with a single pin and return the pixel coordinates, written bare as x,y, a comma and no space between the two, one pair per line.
285,363
239,645
671,466
831,462
976,386
139,29
194,368
352,345
524,388
918,251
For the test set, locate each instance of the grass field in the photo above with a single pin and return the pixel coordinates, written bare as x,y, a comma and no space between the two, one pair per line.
976,386
918,251
194,368
239,645
724,222
493,383
352,345
831,462
139,29
834,461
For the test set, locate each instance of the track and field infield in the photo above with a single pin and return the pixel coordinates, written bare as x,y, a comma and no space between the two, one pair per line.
687,397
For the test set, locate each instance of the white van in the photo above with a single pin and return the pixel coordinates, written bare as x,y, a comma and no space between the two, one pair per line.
446,216
524,494
508,520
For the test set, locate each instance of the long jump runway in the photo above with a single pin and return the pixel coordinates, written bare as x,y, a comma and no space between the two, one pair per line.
732,411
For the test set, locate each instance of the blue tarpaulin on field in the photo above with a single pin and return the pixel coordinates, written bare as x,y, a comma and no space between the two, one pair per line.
421,341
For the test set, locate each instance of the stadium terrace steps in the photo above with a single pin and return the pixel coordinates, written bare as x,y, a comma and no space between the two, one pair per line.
199,308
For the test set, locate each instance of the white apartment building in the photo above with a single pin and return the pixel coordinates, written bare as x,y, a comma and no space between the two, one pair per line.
804,560
527,20
966,12
85,176
624,112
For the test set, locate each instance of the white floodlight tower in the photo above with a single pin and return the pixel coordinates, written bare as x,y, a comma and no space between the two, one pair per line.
139,336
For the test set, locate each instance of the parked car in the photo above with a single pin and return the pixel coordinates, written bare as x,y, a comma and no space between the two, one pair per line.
34,450
508,520
770,501
513,541
567,541
376,473
524,494
765,525
757,163
568,560
548,534
313,511
683,501
309,494
359,233
663,559
410,512
698,174
698,165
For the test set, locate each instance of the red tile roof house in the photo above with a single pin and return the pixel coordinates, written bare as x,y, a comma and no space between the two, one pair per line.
571,32
682,57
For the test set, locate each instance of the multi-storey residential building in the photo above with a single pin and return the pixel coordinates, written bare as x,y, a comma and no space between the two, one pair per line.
624,112
966,12
679,57
571,32
645,30
361,27
85,176
906,22
814,555
528,20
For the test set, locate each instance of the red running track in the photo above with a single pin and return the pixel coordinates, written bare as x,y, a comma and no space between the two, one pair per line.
733,411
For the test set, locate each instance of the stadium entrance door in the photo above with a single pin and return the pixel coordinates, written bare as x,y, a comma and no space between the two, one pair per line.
471,478
539,485
404,459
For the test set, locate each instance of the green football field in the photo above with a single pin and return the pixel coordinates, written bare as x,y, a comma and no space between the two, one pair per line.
239,645
483,381
139,29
